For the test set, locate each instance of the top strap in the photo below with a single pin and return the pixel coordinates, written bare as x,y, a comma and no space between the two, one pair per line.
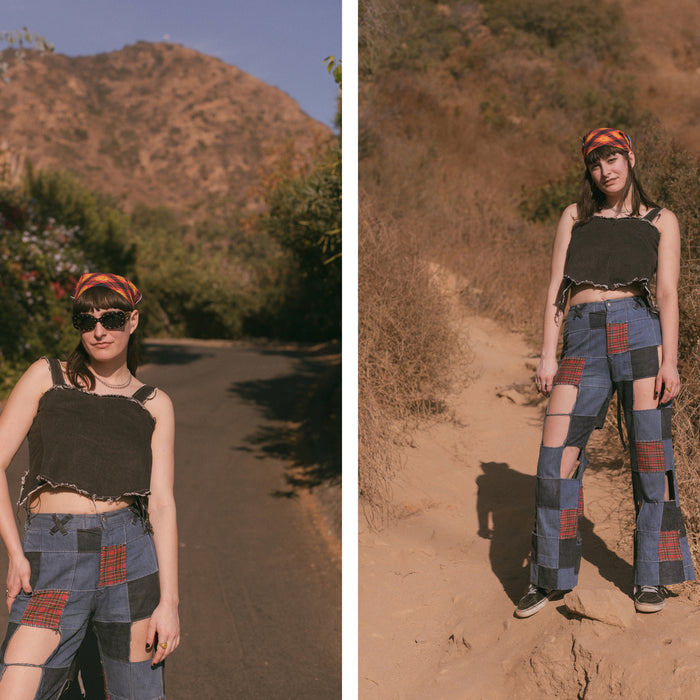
56,371
143,393
652,214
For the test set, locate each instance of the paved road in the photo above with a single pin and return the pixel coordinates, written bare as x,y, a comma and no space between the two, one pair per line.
260,597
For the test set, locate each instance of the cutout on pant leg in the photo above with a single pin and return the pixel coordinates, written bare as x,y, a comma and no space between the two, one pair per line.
670,494
644,394
27,650
556,422
139,631
556,428
569,462
20,683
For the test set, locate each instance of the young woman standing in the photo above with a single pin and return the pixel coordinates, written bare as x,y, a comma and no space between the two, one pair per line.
617,338
100,540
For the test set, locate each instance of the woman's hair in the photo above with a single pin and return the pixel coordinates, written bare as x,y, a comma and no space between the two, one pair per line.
592,200
94,299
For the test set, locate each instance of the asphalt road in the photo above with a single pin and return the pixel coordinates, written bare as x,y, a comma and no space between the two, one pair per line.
260,595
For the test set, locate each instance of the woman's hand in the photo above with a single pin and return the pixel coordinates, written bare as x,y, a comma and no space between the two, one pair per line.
18,575
668,383
165,622
544,377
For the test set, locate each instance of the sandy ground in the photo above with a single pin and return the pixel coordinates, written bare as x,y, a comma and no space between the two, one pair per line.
437,586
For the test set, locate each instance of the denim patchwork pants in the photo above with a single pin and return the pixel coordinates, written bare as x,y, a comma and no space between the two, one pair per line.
607,346
99,569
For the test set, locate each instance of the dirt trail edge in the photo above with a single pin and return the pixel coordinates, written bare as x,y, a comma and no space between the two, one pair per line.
438,587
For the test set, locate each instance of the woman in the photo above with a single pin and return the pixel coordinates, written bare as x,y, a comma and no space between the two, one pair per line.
607,248
100,448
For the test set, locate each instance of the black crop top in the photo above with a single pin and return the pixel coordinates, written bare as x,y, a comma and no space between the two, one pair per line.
610,253
97,445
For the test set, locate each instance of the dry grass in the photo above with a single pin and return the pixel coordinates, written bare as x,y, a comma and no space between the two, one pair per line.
411,351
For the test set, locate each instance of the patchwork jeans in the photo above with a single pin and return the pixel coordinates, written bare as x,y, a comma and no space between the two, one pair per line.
607,346
90,569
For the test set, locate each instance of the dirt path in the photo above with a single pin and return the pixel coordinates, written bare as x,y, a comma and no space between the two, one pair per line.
438,587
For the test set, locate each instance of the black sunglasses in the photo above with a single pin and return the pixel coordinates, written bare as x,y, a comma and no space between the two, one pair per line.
110,320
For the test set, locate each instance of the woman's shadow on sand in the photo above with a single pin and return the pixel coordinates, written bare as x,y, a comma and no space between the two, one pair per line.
505,507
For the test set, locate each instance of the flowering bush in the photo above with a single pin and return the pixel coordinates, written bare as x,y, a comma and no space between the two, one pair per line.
39,266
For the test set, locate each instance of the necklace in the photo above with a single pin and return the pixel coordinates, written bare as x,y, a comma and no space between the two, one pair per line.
114,386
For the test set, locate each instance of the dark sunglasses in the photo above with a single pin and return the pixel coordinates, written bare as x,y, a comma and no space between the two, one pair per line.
110,320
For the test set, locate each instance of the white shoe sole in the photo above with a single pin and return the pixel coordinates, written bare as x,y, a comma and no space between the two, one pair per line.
535,608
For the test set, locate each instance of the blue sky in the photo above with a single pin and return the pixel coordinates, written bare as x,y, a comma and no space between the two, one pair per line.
281,42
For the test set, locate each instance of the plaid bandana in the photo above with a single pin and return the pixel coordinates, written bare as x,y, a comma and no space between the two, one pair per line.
119,284
605,137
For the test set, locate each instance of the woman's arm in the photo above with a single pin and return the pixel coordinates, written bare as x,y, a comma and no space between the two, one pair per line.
547,368
668,382
165,620
15,421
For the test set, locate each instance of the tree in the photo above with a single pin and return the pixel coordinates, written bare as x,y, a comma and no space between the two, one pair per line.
18,41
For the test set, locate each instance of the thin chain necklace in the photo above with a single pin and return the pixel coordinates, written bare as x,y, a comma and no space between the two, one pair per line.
113,386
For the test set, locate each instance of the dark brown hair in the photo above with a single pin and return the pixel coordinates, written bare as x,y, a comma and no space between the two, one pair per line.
77,365
592,200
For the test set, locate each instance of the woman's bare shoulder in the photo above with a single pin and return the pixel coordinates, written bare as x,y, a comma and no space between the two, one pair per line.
160,405
571,212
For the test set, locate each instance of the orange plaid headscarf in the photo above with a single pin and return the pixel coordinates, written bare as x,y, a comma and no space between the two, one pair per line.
605,137
119,284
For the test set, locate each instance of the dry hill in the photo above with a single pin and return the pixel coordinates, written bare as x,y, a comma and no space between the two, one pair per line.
152,123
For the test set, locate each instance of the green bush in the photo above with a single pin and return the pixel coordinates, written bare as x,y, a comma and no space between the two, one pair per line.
101,225
305,217
40,263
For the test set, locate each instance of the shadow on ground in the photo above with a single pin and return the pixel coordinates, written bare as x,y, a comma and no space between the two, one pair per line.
170,353
308,403
505,509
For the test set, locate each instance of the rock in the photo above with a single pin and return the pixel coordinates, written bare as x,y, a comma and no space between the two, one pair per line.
608,606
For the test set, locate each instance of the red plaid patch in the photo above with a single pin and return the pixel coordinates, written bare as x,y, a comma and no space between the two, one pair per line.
112,565
670,546
568,524
616,334
570,370
45,609
650,456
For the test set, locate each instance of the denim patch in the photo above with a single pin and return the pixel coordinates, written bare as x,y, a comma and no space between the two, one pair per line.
549,464
596,319
645,362
666,418
34,559
89,540
670,572
580,429
647,425
569,553
144,595
570,494
114,638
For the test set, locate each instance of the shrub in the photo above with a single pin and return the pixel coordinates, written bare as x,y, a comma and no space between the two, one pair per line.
304,216
39,266
410,355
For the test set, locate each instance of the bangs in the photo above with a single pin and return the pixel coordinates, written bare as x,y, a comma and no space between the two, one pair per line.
100,298
601,153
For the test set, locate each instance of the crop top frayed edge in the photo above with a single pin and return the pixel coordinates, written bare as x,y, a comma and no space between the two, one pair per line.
569,281
142,394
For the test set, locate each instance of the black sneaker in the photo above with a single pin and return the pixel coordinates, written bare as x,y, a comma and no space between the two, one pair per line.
533,601
649,599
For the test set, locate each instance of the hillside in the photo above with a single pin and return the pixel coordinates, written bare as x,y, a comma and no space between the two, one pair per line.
668,69
152,123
